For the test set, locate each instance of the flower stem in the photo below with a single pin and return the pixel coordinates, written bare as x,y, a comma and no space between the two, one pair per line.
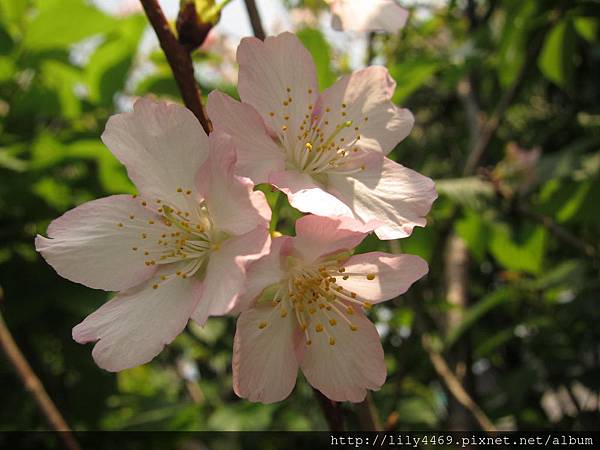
332,412
180,61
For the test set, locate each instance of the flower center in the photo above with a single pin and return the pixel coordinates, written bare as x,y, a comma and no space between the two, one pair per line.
316,299
176,235
325,141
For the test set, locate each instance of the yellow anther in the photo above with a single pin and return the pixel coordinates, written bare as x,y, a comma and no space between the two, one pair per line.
155,286
144,204
283,313
353,327
368,305
318,328
370,276
262,325
284,128
131,216
308,145
134,249
350,310
179,190
151,222
271,113
332,322
308,342
331,340
188,192
120,225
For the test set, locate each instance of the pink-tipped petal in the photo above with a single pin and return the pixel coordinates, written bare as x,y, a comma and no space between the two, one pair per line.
307,195
390,193
392,275
368,15
134,327
277,76
364,99
264,364
320,236
162,145
226,273
234,207
354,363
100,243
265,272
257,153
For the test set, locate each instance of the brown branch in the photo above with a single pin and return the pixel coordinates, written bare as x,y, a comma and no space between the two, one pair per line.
455,387
331,411
255,21
35,387
368,418
179,60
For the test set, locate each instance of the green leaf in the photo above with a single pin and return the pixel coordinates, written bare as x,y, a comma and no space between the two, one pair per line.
470,191
7,161
556,60
477,311
514,42
62,79
411,75
586,27
475,232
521,251
319,48
109,66
60,23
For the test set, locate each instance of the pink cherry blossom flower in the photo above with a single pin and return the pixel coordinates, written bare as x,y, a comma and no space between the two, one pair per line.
306,303
367,15
178,250
326,152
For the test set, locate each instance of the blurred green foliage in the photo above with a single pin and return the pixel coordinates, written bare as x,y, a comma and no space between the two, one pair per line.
527,332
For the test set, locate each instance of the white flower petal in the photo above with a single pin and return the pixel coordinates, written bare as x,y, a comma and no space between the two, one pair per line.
133,327
354,363
102,243
162,145
387,192
265,365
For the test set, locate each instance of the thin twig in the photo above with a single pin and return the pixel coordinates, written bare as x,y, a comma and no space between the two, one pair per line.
455,387
180,61
255,20
331,411
559,232
35,387
491,126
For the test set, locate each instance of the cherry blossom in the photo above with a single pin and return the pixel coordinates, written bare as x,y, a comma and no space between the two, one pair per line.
367,15
304,308
178,250
326,152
